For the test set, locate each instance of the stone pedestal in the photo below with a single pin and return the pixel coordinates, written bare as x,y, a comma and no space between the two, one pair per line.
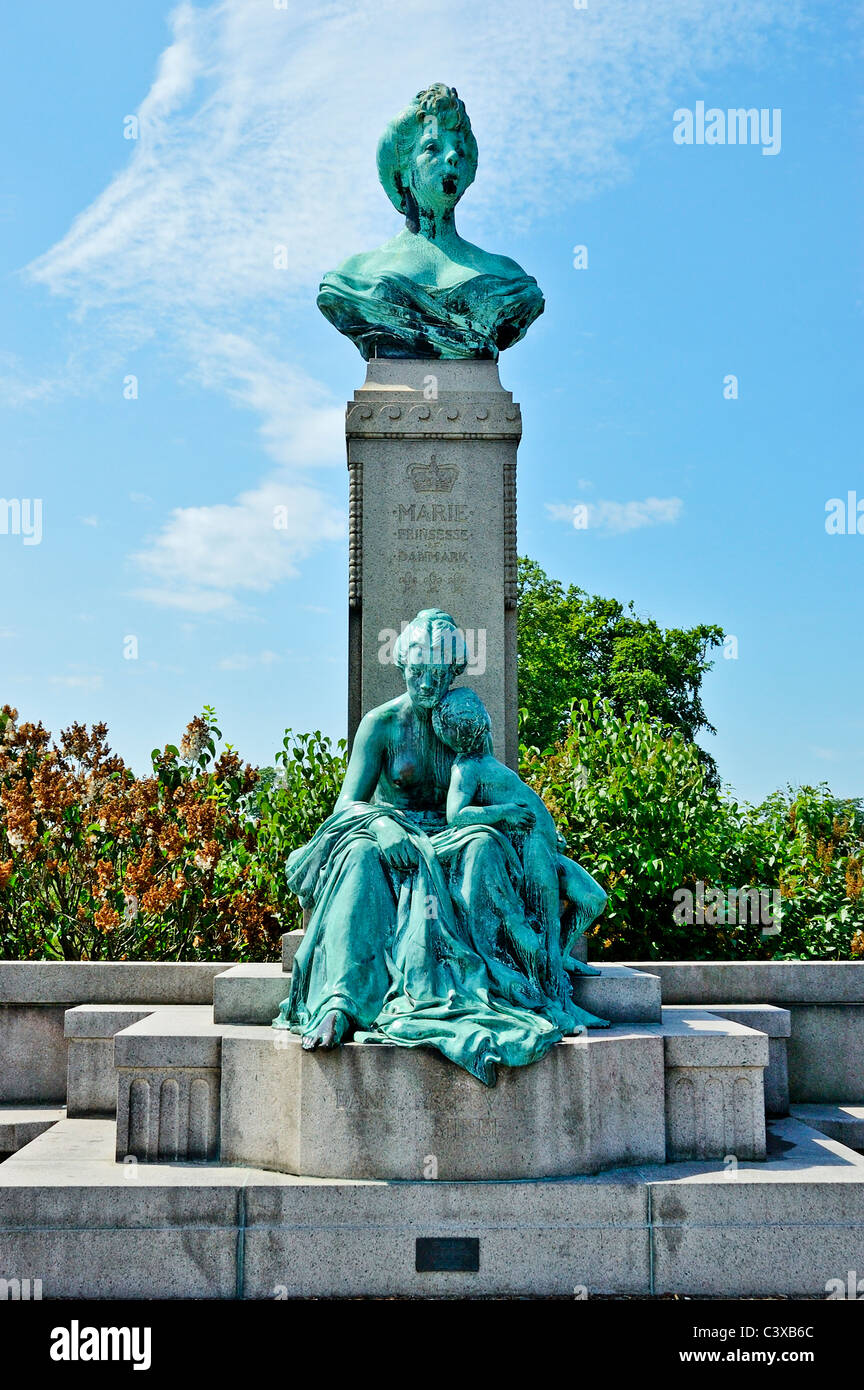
775,1023
91,1081
432,468
384,1112
251,994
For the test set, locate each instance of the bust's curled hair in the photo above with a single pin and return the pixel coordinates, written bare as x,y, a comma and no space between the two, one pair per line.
396,146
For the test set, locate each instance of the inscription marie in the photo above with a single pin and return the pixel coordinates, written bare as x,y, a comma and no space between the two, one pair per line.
436,511
412,527
432,522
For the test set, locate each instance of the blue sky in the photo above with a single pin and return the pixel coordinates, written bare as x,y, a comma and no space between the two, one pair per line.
257,128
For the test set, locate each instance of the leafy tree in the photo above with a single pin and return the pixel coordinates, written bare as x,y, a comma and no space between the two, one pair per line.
575,646
635,806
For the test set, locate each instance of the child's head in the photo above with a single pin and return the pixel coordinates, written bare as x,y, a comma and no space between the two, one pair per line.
462,722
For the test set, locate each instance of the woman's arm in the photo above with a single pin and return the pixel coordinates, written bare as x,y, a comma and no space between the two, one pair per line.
361,779
364,765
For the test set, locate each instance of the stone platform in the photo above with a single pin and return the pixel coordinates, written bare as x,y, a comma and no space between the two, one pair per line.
183,1196
689,1086
19,1124
192,1083
91,1228
845,1123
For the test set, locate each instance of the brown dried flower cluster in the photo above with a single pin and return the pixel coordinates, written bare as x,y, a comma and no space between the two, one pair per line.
95,862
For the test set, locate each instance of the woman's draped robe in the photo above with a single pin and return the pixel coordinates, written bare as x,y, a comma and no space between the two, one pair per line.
412,958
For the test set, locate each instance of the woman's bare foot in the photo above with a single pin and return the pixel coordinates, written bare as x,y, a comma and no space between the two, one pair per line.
330,1033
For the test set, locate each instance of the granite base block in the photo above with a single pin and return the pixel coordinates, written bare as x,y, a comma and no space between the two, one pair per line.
290,941
786,1227
446,1240
380,1111
715,1100
826,1053
168,1072
32,1054
620,995
775,1023
91,1081
250,994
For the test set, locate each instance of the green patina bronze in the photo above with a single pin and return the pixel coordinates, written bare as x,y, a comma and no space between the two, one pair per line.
427,292
435,887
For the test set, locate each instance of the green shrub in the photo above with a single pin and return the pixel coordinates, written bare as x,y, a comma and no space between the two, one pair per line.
639,811
189,862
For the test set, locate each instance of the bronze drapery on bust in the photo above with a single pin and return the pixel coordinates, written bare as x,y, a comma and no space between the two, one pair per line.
427,292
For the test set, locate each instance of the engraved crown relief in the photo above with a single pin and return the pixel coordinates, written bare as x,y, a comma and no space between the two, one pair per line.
433,476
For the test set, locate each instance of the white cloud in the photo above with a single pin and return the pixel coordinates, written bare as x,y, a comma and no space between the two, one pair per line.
21,389
301,423
616,518
207,602
243,661
829,755
77,682
204,554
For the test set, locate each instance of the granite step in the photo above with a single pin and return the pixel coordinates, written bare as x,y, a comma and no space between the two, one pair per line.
843,1122
789,1227
21,1123
89,1029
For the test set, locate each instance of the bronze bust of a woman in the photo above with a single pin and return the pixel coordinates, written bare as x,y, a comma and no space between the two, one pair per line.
427,292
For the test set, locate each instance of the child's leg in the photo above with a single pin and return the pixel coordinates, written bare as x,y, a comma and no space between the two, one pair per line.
498,931
540,862
586,900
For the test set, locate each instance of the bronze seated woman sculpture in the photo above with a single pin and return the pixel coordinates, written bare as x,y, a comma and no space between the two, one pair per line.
412,926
